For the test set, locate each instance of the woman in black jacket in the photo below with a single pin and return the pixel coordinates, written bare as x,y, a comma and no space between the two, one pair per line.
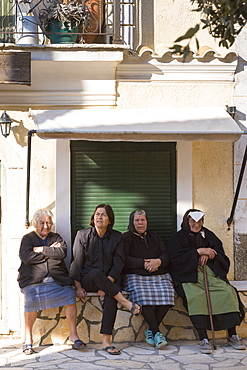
43,277
146,275
191,248
98,260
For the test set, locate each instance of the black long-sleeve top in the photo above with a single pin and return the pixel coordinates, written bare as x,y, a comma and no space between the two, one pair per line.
90,251
184,257
35,266
136,250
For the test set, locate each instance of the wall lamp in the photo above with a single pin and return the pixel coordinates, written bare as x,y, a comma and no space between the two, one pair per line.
5,123
231,110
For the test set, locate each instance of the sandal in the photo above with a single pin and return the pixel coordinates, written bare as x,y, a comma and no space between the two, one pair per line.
109,349
134,307
28,349
78,344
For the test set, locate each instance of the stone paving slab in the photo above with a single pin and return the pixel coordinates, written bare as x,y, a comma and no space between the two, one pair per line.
182,355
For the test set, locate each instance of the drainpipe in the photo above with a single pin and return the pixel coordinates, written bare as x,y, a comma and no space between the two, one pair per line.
230,219
30,133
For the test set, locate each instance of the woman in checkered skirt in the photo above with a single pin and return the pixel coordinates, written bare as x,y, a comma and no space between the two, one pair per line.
146,275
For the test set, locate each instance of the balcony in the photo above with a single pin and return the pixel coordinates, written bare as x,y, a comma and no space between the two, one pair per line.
109,22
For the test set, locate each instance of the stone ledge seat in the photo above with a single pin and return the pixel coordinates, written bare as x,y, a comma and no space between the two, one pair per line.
51,326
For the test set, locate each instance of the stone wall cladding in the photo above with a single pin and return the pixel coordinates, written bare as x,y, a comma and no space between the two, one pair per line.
51,327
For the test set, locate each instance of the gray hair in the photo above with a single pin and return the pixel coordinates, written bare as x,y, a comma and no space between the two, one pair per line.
39,213
140,212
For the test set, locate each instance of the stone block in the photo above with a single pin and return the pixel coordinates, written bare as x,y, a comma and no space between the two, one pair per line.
218,334
94,333
97,302
82,330
41,328
137,322
122,319
60,332
243,297
177,333
179,305
242,330
163,329
92,313
175,318
124,335
140,336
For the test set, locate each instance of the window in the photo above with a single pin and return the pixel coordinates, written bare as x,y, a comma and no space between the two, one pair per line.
128,176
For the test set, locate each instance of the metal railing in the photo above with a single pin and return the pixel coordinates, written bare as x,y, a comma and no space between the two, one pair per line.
110,22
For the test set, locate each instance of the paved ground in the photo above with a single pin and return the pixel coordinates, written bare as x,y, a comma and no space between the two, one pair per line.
176,356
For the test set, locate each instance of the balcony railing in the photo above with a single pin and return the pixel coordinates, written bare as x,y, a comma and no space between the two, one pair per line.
110,22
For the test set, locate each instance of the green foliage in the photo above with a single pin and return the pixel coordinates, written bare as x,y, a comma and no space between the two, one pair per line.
223,19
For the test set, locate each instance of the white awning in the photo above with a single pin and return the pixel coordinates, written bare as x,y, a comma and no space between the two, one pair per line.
147,124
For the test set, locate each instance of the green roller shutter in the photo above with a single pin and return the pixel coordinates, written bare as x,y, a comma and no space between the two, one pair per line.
127,176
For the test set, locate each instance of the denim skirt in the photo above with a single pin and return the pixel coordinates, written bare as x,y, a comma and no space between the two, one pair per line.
48,294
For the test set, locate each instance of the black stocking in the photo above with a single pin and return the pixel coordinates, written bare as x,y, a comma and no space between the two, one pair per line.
154,315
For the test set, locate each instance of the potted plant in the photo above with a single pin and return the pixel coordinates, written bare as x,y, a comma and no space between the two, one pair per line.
60,20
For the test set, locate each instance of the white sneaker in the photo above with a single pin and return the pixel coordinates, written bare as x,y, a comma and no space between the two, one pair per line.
205,346
235,342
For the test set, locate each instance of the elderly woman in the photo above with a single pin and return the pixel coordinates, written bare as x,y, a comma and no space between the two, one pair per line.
43,277
191,248
98,259
146,275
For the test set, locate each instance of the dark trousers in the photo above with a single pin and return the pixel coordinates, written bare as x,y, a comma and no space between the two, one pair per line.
203,333
96,280
153,315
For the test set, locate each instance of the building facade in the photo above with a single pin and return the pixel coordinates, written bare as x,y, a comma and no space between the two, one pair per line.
126,123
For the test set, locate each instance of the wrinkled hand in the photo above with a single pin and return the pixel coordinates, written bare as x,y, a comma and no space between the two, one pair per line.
211,253
203,260
152,265
80,293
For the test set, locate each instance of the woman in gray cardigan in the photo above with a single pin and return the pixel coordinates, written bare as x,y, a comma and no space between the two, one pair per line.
44,279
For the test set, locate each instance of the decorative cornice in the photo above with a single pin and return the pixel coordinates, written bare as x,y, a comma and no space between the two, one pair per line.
150,66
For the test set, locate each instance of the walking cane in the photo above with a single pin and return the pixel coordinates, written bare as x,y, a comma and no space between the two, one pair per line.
209,304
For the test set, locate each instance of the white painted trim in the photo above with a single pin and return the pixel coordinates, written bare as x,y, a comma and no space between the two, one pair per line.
184,179
63,226
240,285
177,71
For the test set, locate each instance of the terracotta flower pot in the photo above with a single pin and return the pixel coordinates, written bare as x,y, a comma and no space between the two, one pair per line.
96,8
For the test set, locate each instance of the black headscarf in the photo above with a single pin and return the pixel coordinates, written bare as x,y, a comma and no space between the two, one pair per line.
132,229
196,238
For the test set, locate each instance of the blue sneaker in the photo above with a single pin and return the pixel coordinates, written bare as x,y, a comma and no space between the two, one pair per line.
159,340
149,337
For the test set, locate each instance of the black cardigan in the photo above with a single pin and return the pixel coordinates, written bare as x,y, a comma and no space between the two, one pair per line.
136,251
184,257
35,266
84,244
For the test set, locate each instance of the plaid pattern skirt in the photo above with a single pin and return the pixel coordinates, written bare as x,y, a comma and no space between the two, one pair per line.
48,294
150,290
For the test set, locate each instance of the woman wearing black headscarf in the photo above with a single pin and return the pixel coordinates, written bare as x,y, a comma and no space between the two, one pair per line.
146,275
191,248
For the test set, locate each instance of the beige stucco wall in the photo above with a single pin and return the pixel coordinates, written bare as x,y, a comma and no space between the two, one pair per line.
13,190
213,189
172,94
165,21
